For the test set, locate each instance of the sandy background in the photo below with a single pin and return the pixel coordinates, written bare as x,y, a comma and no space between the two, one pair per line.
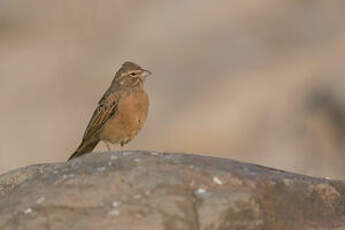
258,81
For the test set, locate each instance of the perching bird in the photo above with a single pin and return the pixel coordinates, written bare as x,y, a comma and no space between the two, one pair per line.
121,112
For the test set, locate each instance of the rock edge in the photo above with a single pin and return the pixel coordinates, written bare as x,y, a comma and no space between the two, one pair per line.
150,190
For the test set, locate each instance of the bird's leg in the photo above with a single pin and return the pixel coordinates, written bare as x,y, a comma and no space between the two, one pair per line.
122,144
108,146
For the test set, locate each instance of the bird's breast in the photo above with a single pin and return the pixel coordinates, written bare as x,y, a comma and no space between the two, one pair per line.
129,118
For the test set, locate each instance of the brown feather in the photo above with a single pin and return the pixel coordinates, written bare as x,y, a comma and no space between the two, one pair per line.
105,109
121,111
83,149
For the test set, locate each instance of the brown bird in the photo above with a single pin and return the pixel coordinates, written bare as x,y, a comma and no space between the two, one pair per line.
120,113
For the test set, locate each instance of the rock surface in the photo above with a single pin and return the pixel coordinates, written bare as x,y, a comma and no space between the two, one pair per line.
146,190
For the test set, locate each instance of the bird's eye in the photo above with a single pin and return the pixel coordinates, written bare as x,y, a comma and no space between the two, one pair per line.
133,74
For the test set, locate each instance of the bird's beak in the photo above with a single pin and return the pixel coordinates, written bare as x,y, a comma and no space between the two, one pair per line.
146,73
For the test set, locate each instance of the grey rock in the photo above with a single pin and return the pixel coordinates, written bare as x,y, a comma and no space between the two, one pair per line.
146,190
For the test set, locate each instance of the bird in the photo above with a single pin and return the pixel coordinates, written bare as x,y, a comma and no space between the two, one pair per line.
120,113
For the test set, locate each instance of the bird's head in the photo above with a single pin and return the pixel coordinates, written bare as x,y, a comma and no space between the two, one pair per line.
131,75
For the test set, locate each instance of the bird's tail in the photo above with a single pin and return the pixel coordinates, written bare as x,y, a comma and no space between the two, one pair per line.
83,149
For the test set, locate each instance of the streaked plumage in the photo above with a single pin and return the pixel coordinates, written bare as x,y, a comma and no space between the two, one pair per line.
120,113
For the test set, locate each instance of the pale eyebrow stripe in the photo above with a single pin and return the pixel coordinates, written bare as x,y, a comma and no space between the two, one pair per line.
135,71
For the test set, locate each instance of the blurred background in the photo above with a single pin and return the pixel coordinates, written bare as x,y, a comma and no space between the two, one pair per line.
256,81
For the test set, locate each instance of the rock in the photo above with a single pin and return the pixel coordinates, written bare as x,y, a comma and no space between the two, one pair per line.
144,190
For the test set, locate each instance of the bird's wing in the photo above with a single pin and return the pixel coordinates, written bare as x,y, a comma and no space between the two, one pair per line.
106,108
